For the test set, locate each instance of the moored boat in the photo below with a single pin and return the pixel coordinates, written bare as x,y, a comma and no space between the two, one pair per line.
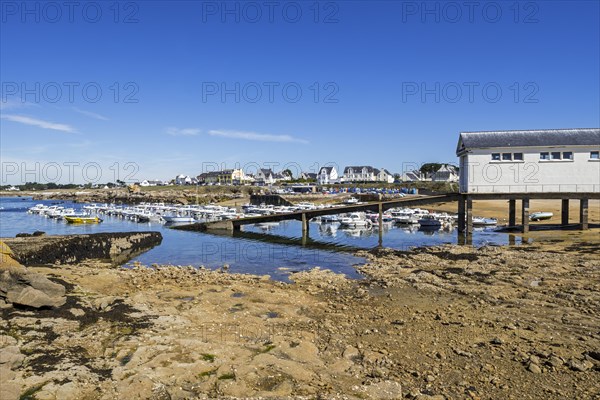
355,220
430,221
80,219
178,219
480,221
540,216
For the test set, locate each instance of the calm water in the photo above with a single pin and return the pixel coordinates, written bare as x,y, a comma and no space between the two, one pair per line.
273,250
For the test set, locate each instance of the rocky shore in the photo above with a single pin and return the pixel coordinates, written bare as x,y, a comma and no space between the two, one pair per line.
204,195
440,323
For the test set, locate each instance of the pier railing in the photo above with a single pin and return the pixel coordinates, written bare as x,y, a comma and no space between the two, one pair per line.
536,188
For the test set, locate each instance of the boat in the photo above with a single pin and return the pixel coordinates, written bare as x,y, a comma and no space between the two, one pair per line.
329,219
540,216
177,219
80,219
430,221
352,200
405,217
355,220
480,221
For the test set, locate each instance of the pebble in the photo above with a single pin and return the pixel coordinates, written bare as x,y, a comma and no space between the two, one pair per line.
580,365
534,368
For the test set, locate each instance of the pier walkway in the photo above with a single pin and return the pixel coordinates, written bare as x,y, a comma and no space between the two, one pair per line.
465,211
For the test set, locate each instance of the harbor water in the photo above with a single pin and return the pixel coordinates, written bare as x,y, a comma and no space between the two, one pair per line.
273,249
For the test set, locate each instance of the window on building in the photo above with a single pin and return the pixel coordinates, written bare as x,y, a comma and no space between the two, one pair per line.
506,156
518,156
544,156
555,155
595,155
567,155
495,156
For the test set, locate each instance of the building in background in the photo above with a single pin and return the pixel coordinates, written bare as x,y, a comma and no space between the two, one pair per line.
553,160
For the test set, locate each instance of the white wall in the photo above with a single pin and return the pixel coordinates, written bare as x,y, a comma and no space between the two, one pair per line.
479,174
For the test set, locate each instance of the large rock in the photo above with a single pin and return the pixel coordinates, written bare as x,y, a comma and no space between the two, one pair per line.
25,288
29,289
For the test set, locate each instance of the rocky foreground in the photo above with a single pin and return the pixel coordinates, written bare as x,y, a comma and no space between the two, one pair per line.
439,323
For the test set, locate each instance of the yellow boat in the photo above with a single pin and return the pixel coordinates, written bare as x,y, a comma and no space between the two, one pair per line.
82,220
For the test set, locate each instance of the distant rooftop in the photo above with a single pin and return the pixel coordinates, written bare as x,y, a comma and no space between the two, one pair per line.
532,138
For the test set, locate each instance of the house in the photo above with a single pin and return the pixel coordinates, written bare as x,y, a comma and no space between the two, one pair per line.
384,176
224,177
367,174
327,175
413,176
183,180
265,176
308,176
208,177
13,189
359,174
155,182
553,160
282,176
446,173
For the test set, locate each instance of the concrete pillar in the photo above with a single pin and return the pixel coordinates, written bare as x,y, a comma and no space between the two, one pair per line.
512,212
461,214
564,214
583,214
469,215
525,215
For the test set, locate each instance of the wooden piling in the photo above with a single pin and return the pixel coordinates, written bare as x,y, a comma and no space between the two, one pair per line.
564,213
512,212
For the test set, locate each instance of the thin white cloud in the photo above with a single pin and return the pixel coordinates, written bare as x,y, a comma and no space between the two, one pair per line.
90,114
260,137
12,104
39,123
183,132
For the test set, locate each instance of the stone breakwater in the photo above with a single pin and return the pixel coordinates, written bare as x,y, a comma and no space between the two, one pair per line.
439,323
115,247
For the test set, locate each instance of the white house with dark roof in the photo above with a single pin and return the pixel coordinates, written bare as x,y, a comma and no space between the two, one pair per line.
554,160
383,175
446,173
366,173
265,176
327,175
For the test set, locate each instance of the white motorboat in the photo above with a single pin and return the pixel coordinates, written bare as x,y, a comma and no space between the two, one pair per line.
405,217
177,219
352,200
480,221
540,216
355,220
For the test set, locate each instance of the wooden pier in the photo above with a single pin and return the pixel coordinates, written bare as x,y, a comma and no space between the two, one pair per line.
307,215
465,211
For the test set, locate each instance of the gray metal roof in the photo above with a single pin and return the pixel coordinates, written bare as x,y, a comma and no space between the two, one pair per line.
543,137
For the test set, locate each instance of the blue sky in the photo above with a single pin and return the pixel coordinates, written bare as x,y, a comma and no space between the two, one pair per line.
383,83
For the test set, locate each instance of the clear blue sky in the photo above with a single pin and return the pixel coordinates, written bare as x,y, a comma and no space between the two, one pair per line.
371,61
